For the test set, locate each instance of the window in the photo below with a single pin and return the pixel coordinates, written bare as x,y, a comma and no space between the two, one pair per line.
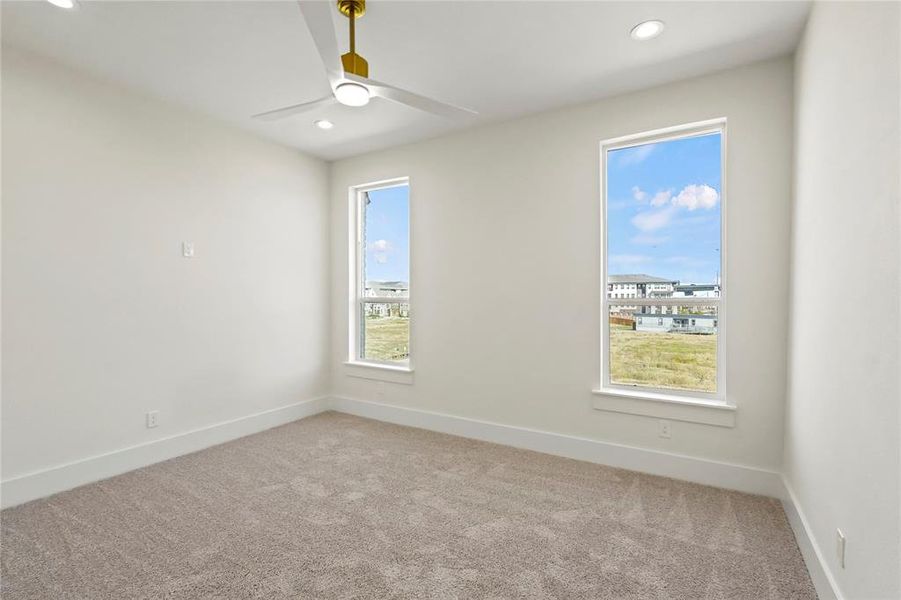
380,264
662,228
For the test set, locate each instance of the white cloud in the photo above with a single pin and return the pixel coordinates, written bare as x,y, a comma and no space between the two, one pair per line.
379,246
635,155
380,250
697,196
652,220
661,198
639,194
691,197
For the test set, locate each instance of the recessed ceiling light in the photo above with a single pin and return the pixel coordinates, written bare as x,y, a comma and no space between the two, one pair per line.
647,30
323,124
352,94
63,3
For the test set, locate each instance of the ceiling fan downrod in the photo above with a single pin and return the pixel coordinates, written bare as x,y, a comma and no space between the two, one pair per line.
353,62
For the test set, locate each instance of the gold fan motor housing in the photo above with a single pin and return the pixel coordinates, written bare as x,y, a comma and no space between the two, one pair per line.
353,62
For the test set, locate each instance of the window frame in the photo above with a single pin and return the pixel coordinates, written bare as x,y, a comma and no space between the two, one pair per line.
607,387
356,288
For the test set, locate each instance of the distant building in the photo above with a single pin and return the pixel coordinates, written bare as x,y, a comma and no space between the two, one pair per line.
685,323
697,290
387,289
639,286
648,286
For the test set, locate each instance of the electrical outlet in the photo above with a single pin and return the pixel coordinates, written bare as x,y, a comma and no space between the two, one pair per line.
663,429
153,419
840,547
187,249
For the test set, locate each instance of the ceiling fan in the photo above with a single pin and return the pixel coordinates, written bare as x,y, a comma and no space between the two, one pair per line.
348,74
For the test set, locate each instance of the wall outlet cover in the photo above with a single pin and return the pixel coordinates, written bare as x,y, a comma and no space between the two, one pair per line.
664,429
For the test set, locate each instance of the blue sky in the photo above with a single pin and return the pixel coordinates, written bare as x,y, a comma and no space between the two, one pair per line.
387,235
663,209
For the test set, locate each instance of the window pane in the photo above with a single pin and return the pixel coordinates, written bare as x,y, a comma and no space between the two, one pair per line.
385,334
386,242
663,225
676,350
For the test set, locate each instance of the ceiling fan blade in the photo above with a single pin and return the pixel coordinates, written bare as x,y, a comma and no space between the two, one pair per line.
389,92
318,16
290,111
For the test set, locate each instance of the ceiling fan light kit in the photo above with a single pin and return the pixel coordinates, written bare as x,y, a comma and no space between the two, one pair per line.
348,73
352,94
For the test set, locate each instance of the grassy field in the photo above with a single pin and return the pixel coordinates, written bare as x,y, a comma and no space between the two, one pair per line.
387,338
673,360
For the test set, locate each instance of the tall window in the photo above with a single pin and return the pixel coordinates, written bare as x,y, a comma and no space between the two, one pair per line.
380,306
663,197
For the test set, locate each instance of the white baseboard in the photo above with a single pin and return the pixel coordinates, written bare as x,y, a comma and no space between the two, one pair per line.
817,566
753,480
677,466
67,476
63,477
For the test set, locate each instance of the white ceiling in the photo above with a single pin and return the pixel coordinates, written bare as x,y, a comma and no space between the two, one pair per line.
503,59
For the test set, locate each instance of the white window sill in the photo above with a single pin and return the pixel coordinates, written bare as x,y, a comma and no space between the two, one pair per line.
379,372
665,406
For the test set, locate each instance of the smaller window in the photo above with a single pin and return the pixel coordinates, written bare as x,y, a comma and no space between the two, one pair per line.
380,262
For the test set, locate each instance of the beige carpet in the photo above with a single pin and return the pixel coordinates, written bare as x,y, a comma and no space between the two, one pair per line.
335,506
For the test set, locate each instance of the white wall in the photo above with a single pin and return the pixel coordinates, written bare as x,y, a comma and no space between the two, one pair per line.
505,263
104,320
842,432
102,317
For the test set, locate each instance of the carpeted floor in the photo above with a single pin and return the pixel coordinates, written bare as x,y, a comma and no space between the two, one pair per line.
335,506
